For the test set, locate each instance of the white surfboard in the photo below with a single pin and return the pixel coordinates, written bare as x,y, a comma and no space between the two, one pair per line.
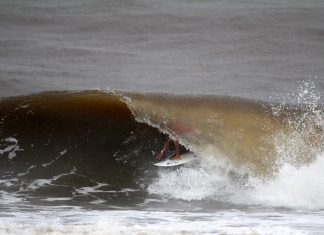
184,158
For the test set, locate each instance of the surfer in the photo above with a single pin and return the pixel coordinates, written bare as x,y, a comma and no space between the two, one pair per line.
177,129
165,147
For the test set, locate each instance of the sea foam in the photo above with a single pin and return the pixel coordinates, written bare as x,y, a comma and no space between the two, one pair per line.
294,187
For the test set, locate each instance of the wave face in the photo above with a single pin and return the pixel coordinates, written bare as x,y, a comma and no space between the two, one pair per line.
55,143
96,147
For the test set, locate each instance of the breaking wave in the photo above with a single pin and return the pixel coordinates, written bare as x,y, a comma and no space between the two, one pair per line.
99,147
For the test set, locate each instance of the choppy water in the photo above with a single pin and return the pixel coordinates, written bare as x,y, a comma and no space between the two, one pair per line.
245,79
224,47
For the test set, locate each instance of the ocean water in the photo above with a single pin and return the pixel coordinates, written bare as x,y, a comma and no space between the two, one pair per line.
90,91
